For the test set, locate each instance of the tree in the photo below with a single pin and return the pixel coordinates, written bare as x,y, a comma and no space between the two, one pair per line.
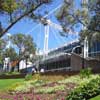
93,28
11,53
2,44
25,42
2,47
86,15
94,24
91,35
15,10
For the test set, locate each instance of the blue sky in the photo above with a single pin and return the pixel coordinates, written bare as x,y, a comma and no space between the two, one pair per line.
36,30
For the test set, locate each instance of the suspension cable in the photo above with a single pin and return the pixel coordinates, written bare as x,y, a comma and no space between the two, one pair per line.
45,17
54,35
57,36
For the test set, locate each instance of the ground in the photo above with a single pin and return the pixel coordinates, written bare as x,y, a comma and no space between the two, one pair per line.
96,98
5,83
40,87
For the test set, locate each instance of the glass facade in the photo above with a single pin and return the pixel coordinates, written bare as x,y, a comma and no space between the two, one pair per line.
94,50
59,58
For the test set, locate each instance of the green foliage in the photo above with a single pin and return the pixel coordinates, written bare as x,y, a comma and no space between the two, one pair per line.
85,73
94,23
1,60
96,98
50,89
2,44
11,73
83,87
37,77
26,86
48,78
9,5
10,52
5,84
73,79
70,15
40,86
15,10
85,91
26,41
13,86
28,77
2,47
37,83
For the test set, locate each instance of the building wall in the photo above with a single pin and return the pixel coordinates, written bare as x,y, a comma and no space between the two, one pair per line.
76,63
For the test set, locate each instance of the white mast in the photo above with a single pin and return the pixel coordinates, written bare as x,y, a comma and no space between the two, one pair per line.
86,48
48,23
46,37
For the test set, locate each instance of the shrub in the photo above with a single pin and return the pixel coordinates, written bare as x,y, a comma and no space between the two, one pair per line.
28,77
85,91
37,83
13,87
37,76
85,73
25,86
50,89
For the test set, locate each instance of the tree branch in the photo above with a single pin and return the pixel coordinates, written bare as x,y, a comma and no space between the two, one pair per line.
22,16
76,18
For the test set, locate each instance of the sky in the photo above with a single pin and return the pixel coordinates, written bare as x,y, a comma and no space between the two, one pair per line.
36,30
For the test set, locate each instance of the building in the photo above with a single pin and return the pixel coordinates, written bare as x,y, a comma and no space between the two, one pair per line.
59,58
70,57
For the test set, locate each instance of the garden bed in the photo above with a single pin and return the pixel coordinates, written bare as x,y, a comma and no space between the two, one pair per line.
12,76
51,87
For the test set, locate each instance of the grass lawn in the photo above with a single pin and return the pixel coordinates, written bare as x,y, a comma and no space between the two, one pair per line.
96,98
4,83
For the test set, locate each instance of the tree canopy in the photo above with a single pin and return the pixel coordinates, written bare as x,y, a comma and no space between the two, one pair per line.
25,42
94,24
10,52
21,41
86,14
2,44
15,10
2,47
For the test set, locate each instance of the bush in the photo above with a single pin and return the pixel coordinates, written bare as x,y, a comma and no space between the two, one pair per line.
50,90
13,87
85,73
85,91
28,77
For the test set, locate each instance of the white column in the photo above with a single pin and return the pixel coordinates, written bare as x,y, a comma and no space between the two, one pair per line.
86,48
46,37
